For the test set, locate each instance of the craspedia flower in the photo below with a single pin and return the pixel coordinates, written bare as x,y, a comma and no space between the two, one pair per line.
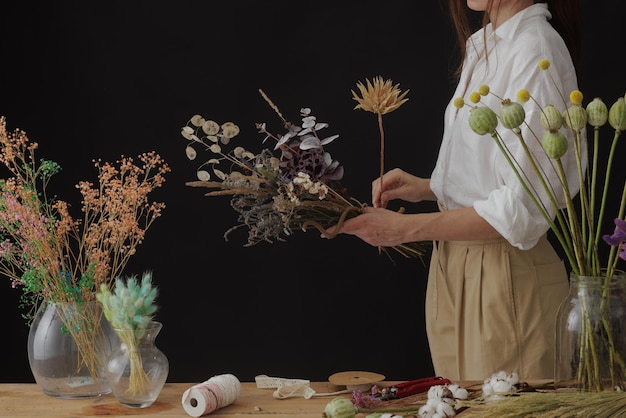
523,95
551,118
483,90
576,97
544,64
339,408
617,115
512,114
474,97
554,144
379,96
459,102
597,113
483,120
575,117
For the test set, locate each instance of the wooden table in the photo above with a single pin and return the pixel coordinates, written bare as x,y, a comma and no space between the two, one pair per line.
27,400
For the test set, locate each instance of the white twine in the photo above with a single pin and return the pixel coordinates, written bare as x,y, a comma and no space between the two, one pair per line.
211,395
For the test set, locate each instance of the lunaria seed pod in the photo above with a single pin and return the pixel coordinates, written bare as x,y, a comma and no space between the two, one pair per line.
551,118
483,120
512,114
554,144
617,115
575,118
597,113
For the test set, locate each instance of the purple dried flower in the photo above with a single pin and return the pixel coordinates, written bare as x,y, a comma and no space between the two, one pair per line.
619,235
364,400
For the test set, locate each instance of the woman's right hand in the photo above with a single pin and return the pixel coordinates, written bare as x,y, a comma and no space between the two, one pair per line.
398,184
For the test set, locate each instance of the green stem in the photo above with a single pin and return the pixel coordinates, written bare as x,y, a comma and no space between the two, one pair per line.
606,186
533,196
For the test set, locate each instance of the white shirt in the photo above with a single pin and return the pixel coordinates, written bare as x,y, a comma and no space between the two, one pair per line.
471,170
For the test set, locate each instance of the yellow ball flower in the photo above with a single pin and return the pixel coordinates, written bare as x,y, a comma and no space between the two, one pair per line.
523,95
576,97
483,90
474,97
459,102
544,64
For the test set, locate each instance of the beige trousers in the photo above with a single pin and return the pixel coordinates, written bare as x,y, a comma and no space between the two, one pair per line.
492,307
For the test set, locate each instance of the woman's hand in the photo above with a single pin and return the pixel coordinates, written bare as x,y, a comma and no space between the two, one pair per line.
398,184
376,226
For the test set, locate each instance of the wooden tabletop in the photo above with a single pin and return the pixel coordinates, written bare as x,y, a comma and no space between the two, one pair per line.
27,400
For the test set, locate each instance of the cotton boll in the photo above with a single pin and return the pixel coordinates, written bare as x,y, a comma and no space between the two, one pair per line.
439,391
445,409
501,386
426,411
513,378
487,388
458,392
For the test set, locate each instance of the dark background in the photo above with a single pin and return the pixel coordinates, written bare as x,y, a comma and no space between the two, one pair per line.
102,79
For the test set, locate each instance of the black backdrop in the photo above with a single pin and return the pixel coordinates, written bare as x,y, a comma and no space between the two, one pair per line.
102,79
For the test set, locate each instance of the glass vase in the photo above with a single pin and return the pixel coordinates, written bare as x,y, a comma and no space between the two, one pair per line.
590,337
137,374
68,344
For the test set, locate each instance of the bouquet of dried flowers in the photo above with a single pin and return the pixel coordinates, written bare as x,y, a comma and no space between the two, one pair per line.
577,224
293,185
130,307
55,258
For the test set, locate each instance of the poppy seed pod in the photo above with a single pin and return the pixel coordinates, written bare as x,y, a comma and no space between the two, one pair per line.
575,118
512,114
551,118
597,113
554,144
483,120
617,115
339,408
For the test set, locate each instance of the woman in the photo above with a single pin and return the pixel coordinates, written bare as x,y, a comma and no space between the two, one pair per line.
495,282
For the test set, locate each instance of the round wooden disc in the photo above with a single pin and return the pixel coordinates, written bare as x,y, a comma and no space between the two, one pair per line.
355,378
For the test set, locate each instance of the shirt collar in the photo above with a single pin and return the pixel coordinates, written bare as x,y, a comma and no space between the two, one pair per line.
508,29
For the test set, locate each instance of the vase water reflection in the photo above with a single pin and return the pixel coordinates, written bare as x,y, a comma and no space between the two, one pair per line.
68,344
590,336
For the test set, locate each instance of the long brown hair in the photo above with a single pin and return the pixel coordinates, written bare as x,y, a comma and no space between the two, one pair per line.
566,19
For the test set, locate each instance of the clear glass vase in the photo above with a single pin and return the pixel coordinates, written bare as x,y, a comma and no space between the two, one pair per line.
68,344
590,335
137,374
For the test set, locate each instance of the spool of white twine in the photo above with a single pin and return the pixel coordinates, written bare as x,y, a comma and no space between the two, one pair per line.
217,392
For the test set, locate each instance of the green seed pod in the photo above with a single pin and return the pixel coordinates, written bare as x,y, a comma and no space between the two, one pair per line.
483,120
551,118
554,144
512,114
339,408
617,115
575,118
597,113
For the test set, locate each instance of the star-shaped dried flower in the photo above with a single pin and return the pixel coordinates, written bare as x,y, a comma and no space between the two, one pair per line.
379,96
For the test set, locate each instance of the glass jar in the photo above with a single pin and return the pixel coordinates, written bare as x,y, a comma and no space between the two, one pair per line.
137,374
590,338
68,344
